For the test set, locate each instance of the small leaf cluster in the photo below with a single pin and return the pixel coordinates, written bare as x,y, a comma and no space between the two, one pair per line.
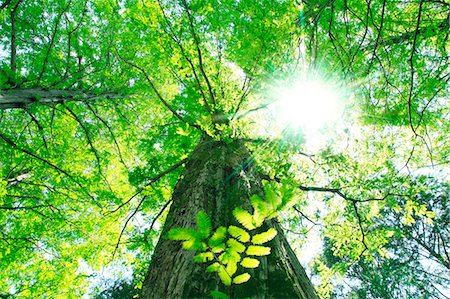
228,248
3,184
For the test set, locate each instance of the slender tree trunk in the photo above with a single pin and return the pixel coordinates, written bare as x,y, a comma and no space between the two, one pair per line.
218,178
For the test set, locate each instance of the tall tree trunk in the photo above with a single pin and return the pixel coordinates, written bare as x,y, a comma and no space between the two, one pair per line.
218,178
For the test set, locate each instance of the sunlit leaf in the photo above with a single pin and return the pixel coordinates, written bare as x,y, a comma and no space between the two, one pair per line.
231,268
204,257
239,233
235,245
218,248
224,276
258,250
218,237
244,218
264,237
241,278
213,267
248,262
203,224
181,234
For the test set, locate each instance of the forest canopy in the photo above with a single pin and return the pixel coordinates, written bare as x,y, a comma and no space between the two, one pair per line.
102,103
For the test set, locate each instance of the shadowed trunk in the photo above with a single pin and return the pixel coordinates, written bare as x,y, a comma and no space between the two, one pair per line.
218,178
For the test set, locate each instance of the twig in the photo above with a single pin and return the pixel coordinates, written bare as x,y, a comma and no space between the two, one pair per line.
14,145
152,180
199,53
155,90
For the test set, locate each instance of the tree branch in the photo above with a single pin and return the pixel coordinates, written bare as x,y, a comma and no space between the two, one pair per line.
5,4
186,57
199,53
155,90
58,169
23,97
151,181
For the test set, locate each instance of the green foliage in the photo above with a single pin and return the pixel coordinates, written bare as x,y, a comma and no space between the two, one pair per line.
258,250
182,234
246,219
239,233
264,237
218,237
204,257
67,162
203,224
248,262
219,295
241,278
3,184
225,254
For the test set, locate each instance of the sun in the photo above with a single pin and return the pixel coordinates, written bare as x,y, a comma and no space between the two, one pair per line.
308,105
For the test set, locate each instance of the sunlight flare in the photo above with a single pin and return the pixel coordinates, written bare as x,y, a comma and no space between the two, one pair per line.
308,105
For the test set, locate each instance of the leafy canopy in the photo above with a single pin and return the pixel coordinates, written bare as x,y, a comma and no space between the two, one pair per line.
102,102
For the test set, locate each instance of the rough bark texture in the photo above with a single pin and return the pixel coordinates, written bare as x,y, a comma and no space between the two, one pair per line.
23,97
218,178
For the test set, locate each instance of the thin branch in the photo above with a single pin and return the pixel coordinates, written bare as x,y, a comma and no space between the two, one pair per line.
157,216
58,169
5,4
110,131
177,41
13,39
363,234
126,223
52,41
199,53
244,114
377,41
411,64
89,140
306,217
152,180
155,90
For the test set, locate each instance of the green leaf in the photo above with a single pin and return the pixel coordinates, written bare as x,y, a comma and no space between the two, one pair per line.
203,257
183,131
218,248
213,267
264,237
244,218
235,245
3,184
259,205
219,295
239,233
194,244
241,278
231,268
258,250
181,234
287,195
230,256
203,224
218,237
272,198
273,201
249,262
224,276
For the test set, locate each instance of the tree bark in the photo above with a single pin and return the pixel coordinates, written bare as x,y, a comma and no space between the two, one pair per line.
23,97
218,178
